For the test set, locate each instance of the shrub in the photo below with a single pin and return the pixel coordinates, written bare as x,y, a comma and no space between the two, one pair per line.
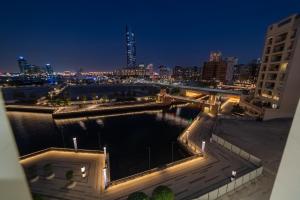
162,193
69,175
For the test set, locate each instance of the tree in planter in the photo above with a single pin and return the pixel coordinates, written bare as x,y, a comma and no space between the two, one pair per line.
32,173
48,170
69,175
37,197
138,196
162,193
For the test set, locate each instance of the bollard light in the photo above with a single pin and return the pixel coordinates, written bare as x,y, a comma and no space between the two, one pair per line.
82,169
233,173
203,146
75,143
104,149
105,177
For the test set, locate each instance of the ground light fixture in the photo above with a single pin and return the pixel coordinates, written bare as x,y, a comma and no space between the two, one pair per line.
75,143
203,146
83,172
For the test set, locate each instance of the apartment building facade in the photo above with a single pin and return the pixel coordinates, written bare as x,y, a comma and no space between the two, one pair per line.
278,83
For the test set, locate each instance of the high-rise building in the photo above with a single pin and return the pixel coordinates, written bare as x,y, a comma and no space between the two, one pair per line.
186,73
164,72
22,62
231,62
130,48
215,56
277,88
215,69
49,69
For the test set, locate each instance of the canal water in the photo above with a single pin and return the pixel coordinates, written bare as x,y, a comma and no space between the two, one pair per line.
133,140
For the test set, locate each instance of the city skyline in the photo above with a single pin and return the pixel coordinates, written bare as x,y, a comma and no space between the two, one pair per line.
92,38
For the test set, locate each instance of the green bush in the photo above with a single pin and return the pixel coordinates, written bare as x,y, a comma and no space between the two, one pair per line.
47,169
162,193
138,196
37,197
69,175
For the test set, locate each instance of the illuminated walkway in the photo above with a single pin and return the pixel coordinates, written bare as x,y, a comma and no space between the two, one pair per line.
188,180
62,161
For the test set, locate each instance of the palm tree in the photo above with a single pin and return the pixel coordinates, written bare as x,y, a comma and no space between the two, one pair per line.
162,193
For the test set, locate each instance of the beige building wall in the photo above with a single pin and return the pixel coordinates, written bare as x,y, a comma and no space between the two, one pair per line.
287,182
278,85
13,184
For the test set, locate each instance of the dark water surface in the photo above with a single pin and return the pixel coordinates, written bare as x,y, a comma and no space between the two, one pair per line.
127,137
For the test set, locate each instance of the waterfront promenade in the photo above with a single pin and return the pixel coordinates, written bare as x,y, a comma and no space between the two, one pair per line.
188,180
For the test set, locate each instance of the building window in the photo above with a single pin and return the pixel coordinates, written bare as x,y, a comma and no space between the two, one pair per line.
283,67
266,59
281,37
270,40
293,35
268,50
276,58
278,48
274,67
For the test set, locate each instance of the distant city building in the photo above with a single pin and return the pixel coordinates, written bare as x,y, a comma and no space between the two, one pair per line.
254,67
30,69
136,72
215,56
49,69
164,72
186,73
130,48
231,62
215,69
278,81
23,65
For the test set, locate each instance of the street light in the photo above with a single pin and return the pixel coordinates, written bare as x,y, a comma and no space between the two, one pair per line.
75,143
62,135
203,146
149,157
172,151
104,149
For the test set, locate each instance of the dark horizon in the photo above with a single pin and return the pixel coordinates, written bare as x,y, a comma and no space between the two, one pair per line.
92,35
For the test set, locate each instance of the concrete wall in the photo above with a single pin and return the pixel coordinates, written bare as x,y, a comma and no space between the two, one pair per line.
13,184
287,182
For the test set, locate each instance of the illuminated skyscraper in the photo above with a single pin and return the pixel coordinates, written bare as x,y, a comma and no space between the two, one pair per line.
130,48
22,64
48,69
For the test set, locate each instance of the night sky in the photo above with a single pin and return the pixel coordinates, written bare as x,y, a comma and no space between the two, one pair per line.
90,34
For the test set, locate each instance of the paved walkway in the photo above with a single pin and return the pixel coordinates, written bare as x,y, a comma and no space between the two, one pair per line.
188,180
88,187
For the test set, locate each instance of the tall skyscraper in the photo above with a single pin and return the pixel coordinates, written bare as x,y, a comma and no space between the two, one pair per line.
22,62
49,69
130,48
278,80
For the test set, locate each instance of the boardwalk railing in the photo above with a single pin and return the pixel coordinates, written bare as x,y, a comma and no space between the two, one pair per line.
214,194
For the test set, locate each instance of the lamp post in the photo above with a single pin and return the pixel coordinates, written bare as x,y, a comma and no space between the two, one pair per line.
172,151
104,149
203,146
149,157
75,143
62,135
